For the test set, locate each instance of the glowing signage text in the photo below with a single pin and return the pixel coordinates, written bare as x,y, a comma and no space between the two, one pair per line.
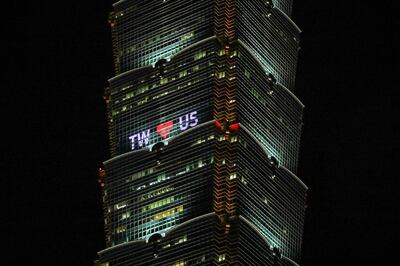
143,138
188,120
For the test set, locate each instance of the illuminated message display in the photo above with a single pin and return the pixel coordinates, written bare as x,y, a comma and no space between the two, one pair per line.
142,139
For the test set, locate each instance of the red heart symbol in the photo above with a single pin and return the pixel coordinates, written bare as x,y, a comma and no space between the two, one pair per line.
164,129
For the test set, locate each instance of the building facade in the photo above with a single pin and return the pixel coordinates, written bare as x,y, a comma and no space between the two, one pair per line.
204,133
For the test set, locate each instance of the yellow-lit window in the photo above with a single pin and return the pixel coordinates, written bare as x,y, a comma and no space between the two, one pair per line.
159,203
167,213
180,263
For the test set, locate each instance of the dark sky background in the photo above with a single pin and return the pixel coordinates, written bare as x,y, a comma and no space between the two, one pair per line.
57,59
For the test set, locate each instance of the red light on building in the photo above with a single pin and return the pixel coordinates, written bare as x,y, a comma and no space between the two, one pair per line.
164,129
218,125
234,127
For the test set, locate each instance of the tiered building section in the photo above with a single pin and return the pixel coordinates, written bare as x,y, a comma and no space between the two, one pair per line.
204,135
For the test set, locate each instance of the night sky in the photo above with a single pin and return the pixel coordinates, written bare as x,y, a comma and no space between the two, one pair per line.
58,58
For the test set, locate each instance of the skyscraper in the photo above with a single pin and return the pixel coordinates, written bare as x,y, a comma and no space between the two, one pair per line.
204,133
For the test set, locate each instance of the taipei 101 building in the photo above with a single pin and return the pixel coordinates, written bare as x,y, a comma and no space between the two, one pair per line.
204,135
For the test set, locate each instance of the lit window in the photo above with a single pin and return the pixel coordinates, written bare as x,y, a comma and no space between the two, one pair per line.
221,75
181,240
200,163
221,257
183,73
221,52
158,204
180,263
187,35
167,213
125,215
121,229
155,193
163,81
200,55
144,100
129,95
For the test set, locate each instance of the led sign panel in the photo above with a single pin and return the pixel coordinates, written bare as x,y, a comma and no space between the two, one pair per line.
144,138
